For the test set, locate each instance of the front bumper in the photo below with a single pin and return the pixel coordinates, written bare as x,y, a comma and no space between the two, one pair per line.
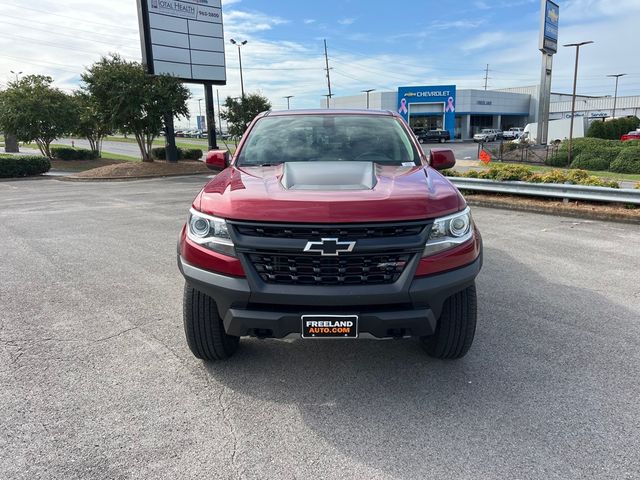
410,307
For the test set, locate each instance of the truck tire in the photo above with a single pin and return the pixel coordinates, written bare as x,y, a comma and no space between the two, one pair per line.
203,327
456,327
442,140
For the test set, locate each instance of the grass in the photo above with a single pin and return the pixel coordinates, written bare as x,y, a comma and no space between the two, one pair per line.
118,156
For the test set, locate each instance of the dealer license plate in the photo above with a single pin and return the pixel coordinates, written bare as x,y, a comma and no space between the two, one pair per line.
329,326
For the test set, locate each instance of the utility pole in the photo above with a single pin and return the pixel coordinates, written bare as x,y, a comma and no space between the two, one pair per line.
573,100
486,76
219,120
615,96
328,97
368,91
288,97
326,60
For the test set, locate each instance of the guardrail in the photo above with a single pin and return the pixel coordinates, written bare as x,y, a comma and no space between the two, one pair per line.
553,190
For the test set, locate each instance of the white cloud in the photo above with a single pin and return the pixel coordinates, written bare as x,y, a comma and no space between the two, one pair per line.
346,21
309,21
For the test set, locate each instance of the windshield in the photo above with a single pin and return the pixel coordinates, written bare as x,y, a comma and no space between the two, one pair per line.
302,138
486,131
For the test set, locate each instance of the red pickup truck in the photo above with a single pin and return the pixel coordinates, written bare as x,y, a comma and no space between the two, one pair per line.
329,224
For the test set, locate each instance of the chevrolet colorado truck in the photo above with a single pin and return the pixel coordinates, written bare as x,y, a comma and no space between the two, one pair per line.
329,224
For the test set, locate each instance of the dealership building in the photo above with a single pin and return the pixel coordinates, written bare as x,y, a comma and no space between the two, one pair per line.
464,112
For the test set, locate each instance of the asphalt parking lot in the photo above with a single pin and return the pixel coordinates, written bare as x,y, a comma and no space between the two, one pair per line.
96,380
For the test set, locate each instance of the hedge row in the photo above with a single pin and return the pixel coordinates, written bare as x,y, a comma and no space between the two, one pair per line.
160,153
613,129
523,173
69,153
23,166
599,155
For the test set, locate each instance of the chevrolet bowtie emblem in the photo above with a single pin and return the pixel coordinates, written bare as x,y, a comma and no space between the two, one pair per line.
329,247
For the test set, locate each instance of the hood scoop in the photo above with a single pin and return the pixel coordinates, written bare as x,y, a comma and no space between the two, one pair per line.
347,175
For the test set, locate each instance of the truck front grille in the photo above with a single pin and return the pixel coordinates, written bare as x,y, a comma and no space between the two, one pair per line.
318,270
344,232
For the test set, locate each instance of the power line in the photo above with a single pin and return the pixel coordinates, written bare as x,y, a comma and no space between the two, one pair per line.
82,20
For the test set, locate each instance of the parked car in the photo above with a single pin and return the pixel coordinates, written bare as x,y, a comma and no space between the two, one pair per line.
179,133
486,135
513,133
440,136
329,224
634,135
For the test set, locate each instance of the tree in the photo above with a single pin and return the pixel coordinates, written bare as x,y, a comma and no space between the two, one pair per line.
129,100
36,112
91,124
240,112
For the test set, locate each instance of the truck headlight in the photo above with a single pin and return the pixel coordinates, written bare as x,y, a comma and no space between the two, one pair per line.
210,232
448,232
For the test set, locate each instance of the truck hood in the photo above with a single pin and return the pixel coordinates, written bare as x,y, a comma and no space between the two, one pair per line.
302,194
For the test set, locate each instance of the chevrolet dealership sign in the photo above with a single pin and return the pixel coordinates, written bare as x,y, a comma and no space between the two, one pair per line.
183,38
549,27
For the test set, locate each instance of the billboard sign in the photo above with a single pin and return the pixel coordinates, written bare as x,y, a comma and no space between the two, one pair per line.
442,95
549,27
183,38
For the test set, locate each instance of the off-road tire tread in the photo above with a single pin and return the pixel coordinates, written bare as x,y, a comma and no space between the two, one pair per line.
203,327
456,326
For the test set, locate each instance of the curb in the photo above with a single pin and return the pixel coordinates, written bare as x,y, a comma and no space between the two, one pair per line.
126,178
553,210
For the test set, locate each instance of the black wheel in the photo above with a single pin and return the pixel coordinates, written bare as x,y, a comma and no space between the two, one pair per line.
456,327
204,329
442,140
421,140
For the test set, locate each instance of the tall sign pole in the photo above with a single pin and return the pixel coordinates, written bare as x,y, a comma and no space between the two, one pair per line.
548,45
185,39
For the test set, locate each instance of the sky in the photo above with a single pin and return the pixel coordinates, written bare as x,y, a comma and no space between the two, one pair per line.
371,44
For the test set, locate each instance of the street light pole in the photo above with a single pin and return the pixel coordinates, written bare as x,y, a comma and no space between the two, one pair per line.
16,74
200,109
615,96
573,100
239,44
288,97
368,92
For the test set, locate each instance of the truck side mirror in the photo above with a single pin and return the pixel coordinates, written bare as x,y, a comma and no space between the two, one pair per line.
442,158
217,159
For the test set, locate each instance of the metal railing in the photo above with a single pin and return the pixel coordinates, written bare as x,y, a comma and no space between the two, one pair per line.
550,190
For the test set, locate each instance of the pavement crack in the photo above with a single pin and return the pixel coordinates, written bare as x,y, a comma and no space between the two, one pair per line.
232,429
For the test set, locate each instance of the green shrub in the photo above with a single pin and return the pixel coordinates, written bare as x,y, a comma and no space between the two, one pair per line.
553,176
588,161
560,159
23,166
507,173
627,161
631,144
160,153
450,173
69,153
191,154
594,181
613,129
